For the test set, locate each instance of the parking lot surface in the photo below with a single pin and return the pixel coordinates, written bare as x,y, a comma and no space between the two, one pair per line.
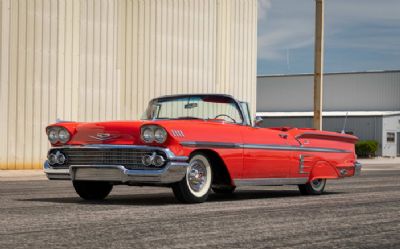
362,212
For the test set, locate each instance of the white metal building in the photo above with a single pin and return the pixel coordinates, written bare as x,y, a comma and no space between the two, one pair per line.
88,60
370,100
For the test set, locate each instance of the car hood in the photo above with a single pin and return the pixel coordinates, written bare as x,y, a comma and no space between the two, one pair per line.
128,132
114,132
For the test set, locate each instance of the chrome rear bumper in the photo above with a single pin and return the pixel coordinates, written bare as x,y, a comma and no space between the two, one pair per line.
357,168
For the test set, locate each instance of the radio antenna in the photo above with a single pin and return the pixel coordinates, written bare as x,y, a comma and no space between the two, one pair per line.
345,122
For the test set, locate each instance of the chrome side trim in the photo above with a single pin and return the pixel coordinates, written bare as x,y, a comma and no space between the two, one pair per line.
357,168
270,181
170,155
292,148
261,146
302,167
211,144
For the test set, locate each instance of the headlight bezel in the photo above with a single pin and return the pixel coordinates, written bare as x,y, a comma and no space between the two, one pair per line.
153,129
57,139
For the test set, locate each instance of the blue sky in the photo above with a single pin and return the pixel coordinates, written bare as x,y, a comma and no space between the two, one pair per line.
360,35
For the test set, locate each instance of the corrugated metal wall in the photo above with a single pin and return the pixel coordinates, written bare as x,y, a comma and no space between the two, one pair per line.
104,59
369,91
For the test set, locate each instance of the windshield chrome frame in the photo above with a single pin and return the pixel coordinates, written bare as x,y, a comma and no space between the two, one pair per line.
236,103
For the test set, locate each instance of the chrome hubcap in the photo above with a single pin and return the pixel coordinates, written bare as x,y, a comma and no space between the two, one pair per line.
317,184
197,175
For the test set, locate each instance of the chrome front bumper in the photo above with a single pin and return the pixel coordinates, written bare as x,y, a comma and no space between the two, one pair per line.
357,168
173,171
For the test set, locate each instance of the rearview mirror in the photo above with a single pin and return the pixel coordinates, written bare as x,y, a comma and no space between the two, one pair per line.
258,121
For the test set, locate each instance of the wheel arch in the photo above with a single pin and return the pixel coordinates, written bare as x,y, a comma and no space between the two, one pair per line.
323,170
221,175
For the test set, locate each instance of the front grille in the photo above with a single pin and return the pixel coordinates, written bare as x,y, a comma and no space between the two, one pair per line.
130,158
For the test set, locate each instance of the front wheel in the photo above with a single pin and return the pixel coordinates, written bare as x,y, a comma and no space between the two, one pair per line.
314,187
195,186
94,191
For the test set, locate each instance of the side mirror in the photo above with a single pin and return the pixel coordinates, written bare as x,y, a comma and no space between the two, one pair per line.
258,121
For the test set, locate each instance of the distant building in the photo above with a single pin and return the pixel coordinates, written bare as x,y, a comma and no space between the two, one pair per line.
370,100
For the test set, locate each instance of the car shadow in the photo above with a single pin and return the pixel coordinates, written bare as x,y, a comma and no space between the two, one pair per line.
162,199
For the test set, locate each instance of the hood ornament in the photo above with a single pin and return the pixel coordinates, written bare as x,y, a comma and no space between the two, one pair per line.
104,136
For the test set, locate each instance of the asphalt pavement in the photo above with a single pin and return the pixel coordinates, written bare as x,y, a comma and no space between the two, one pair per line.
359,212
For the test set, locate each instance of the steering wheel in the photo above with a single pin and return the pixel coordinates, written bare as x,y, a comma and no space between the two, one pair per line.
224,115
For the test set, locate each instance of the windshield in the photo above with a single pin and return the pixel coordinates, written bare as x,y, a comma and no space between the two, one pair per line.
216,108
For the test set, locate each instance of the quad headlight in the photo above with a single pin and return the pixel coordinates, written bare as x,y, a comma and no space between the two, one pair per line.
63,136
160,135
148,134
52,134
58,134
153,133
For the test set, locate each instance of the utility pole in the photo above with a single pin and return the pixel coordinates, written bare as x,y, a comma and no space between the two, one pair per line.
318,63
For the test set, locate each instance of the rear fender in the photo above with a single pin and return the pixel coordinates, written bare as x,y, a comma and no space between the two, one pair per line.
323,170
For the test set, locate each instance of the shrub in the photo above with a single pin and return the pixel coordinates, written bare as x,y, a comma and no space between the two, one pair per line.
366,148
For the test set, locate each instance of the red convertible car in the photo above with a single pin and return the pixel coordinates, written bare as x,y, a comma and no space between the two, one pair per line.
195,144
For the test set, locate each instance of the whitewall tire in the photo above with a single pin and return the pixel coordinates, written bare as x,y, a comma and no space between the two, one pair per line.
314,187
196,185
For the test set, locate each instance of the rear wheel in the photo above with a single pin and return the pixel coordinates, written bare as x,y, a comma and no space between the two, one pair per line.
314,187
195,186
90,190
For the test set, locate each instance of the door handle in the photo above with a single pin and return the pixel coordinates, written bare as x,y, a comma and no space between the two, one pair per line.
284,136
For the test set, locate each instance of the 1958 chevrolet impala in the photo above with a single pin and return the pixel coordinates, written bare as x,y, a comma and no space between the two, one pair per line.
195,143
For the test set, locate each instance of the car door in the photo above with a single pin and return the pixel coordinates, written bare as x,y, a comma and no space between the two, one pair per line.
267,153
